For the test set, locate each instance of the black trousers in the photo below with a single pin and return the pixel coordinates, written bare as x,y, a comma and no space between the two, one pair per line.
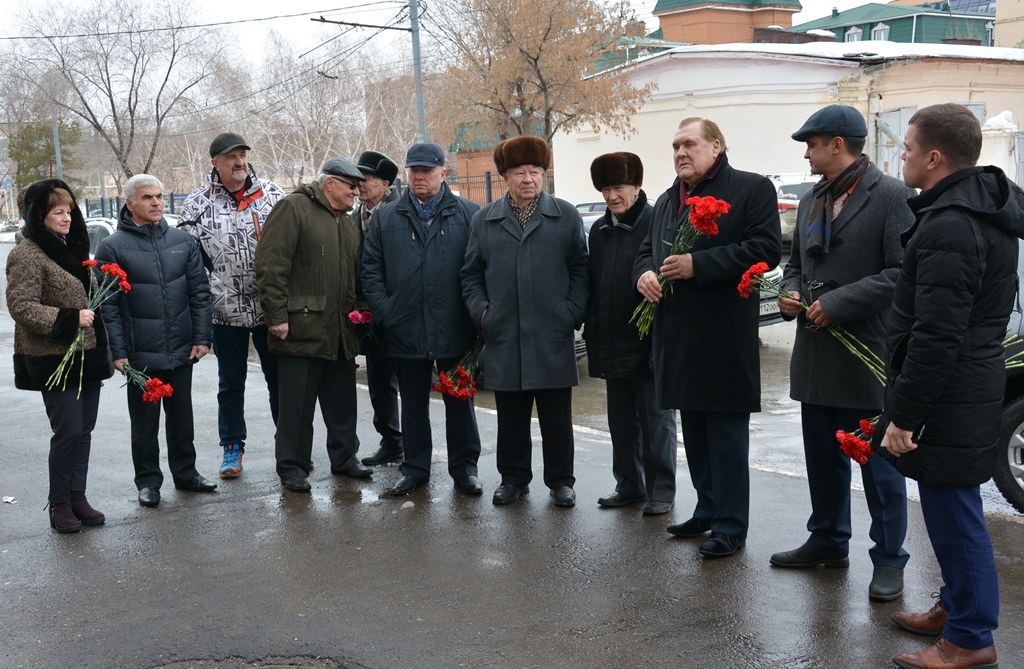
72,420
554,412
643,435
383,384
717,445
415,378
302,383
178,426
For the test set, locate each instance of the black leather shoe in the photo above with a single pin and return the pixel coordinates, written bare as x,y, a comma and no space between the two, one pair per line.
810,556
721,545
384,455
617,499
656,508
470,485
563,495
694,527
198,484
352,468
149,496
507,493
297,484
406,485
886,584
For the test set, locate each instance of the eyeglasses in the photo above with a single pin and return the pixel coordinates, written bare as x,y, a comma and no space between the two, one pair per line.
347,183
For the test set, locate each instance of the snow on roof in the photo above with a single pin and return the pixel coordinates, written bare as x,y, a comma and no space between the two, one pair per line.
865,51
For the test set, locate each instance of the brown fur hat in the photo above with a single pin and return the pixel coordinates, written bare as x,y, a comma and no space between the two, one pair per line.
522,150
617,169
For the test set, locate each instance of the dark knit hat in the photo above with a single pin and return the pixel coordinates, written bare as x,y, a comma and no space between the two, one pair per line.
617,169
522,150
833,121
377,164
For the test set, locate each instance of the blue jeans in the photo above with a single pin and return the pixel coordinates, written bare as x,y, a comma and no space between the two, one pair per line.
231,346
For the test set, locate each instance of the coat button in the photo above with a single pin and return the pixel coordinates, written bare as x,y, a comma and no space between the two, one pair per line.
305,310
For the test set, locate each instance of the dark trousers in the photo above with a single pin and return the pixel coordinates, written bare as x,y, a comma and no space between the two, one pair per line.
415,379
303,382
956,527
231,346
717,445
72,420
178,426
515,447
828,477
383,384
643,440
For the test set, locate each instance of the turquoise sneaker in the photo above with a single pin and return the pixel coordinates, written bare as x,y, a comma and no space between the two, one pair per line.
231,468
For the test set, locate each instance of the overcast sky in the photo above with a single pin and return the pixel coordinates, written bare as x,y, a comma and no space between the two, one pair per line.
303,33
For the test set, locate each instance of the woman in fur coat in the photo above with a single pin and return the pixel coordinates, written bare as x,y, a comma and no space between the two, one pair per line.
47,292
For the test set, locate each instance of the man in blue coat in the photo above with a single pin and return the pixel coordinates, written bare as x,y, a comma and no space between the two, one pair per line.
846,255
525,283
163,325
412,256
947,374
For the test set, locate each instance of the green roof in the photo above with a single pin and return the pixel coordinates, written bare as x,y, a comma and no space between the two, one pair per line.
878,12
671,5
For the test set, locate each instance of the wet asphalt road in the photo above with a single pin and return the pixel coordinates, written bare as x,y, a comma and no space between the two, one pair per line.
251,573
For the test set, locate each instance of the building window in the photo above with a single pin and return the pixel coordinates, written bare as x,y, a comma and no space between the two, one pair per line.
854,35
880,32
989,35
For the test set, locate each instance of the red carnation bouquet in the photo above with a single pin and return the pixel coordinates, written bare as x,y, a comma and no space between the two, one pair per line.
458,382
114,281
856,444
153,390
703,220
363,320
753,280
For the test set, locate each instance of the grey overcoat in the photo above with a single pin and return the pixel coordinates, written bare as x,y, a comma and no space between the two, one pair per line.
533,285
857,279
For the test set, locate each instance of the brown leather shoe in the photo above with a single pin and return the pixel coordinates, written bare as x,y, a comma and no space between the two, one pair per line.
944,654
929,623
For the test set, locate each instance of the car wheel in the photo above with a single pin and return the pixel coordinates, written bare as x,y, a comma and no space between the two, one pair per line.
1009,474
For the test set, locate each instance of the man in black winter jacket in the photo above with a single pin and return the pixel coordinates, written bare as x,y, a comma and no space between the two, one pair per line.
643,434
162,326
946,371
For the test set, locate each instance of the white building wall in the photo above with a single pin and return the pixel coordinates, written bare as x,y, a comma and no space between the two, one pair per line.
757,101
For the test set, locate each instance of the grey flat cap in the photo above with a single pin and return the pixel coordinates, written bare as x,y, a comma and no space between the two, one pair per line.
833,121
339,167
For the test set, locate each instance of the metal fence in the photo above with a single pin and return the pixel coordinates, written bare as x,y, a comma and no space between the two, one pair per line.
104,207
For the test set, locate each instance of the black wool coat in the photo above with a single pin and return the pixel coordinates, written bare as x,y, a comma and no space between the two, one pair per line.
705,342
948,320
614,347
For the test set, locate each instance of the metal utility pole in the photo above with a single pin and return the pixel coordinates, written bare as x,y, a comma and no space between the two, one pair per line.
414,18
56,147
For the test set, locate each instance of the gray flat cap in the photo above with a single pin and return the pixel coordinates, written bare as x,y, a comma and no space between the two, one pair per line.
339,167
833,121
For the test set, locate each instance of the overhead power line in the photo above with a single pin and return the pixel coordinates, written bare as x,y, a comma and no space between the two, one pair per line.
196,26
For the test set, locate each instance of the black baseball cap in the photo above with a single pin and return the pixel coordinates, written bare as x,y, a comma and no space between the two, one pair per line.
227,141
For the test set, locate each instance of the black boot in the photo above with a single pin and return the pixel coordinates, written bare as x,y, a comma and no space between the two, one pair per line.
84,511
63,519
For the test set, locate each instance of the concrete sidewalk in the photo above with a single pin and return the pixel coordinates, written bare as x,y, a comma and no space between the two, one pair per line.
251,573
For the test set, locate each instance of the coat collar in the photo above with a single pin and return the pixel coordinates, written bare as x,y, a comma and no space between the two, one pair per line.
858,199
501,213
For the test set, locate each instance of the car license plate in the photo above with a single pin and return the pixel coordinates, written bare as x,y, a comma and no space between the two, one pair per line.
768,308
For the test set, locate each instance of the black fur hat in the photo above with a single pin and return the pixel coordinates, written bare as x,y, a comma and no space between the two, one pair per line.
522,150
617,169
37,206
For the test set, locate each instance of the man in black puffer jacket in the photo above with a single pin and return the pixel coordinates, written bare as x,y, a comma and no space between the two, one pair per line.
946,372
162,326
